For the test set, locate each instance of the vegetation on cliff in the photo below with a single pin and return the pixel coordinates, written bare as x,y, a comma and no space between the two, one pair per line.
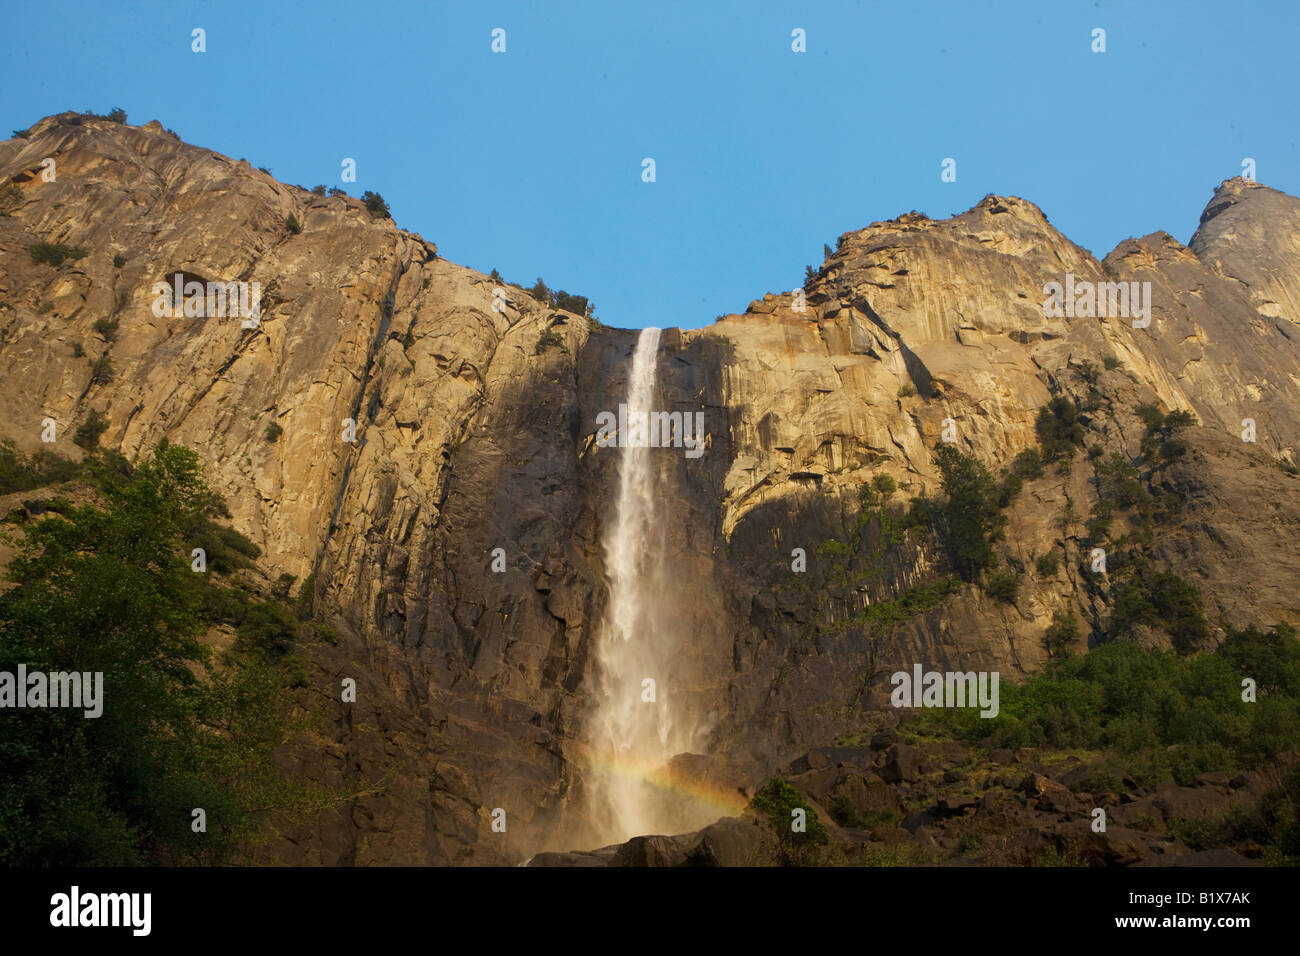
108,586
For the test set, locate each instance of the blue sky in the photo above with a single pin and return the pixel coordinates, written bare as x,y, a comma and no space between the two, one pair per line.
530,161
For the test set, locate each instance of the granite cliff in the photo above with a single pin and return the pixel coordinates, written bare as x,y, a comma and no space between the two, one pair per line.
474,428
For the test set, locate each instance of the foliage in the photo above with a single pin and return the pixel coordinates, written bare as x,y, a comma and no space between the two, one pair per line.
1162,442
1163,715
1003,586
54,253
19,473
88,432
292,224
1059,429
971,516
107,328
375,204
549,339
1163,601
776,802
108,588
1028,464
1062,632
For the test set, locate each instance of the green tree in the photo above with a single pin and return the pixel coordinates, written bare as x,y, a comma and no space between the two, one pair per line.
971,516
108,588
776,802
1059,429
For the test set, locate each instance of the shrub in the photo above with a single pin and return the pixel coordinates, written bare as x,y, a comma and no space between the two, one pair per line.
54,253
776,802
549,339
376,205
267,627
1008,488
1161,440
495,277
119,260
116,115
1003,586
19,473
1111,362
1163,601
101,370
1049,564
1028,464
1058,429
306,598
273,432
906,391
78,350
318,190
884,484
88,432
107,328
292,224
335,191
10,196
1061,633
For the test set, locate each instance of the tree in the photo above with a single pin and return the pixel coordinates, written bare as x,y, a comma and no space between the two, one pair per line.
1058,429
971,516
1061,633
376,205
88,432
108,589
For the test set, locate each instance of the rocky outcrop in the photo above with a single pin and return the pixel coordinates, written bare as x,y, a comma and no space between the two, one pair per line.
422,424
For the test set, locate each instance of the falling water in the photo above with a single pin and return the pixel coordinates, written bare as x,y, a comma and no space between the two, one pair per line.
633,738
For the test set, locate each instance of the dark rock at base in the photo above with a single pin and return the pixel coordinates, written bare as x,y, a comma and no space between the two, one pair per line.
901,763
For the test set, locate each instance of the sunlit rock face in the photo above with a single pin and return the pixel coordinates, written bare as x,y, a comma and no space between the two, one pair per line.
480,688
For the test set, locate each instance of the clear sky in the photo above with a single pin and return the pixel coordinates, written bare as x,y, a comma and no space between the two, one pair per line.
530,161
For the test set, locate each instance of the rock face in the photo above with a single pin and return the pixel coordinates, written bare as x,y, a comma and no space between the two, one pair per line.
473,432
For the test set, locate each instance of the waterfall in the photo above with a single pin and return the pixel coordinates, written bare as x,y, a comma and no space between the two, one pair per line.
632,738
